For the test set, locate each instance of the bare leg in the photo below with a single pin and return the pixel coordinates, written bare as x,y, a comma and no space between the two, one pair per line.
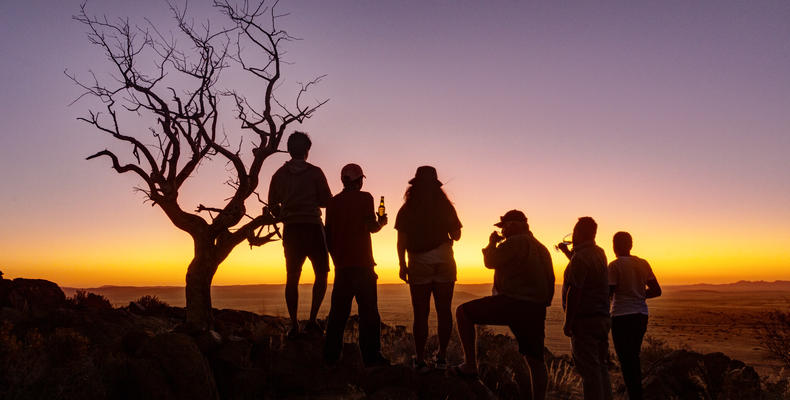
319,290
466,332
292,297
442,300
420,302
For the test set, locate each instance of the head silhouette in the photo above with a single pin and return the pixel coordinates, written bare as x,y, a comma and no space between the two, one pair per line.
514,222
622,243
584,230
425,192
351,175
299,145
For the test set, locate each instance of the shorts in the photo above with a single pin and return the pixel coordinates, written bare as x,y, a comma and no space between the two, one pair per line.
526,320
301,241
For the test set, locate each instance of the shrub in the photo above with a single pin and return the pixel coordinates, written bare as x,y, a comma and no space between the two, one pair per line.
776,335
564,382
152,304
86,300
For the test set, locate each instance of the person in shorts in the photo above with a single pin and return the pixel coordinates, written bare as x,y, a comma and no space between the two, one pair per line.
297,193
350,219
523,288
427,225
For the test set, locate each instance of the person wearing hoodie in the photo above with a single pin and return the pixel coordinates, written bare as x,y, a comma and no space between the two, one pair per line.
297,193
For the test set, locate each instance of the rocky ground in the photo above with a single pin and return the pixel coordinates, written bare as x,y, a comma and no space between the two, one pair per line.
53,347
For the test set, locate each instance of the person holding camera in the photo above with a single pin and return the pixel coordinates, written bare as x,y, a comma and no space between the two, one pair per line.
523,288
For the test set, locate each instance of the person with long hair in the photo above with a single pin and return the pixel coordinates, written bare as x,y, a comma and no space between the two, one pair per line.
427,225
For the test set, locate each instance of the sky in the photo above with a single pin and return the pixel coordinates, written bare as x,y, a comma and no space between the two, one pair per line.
664,119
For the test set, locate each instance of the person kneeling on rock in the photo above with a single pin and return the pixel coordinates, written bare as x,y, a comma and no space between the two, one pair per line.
350,219
523,288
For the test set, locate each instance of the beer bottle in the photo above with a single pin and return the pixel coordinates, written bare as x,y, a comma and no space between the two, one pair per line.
381,207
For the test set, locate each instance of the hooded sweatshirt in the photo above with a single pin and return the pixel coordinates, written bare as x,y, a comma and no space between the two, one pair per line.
299,189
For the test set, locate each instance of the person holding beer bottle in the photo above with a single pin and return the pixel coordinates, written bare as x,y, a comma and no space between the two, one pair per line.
350,219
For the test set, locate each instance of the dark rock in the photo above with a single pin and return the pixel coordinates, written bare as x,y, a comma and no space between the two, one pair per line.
33,295
689,375
176,358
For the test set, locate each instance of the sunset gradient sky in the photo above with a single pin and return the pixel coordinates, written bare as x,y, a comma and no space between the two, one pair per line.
669,119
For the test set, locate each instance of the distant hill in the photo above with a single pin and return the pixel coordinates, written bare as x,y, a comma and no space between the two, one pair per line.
738,286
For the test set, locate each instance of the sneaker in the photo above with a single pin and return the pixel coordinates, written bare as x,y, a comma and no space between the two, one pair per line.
440,363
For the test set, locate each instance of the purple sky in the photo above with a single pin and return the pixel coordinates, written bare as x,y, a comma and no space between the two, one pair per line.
670,119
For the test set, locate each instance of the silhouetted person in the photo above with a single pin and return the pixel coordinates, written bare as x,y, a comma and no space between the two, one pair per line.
631,281
350,219
585,299
523,288
427,224
297,192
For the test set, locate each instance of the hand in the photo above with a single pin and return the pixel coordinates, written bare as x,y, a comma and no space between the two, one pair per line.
383,220
403,274
566,329
494,238
563,246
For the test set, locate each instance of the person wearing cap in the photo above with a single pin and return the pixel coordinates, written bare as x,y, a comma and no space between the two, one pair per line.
297,193
427,225
523,288
631,281
585,299
350,219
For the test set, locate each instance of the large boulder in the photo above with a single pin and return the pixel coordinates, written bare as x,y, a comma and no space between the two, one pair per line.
32,295
688,375
171,366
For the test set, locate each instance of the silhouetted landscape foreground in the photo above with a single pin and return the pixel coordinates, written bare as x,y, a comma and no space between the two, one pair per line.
81,347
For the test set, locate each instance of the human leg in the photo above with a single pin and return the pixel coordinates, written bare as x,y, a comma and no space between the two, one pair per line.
528,326
589,346
342,295
294,259
369,318
539,376
627,334
442,300
466,332
420,302
319,258
489,310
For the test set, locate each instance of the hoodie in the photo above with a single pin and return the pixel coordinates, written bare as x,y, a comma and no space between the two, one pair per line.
297,191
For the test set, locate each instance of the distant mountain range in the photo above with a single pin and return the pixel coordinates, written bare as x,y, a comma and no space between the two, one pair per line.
740,285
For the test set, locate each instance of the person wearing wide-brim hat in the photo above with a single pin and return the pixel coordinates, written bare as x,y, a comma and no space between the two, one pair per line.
523,288
427,225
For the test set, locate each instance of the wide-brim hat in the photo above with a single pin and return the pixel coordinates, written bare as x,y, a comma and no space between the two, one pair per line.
511,216
351,172
425,174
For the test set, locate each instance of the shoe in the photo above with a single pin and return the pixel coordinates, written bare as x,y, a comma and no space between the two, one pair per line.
456,371
420,367
440,363
378,361
313,329
293,333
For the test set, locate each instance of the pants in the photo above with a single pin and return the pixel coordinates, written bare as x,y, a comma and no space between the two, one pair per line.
351,283
590,348
627,334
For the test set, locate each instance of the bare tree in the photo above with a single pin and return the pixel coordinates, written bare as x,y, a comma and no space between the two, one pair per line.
180,97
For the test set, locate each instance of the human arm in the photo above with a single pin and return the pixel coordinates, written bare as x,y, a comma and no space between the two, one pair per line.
322,189
573,301
576,275
496,256
374,222
403,271
549,271
565,250
455,225
653,289
275,198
